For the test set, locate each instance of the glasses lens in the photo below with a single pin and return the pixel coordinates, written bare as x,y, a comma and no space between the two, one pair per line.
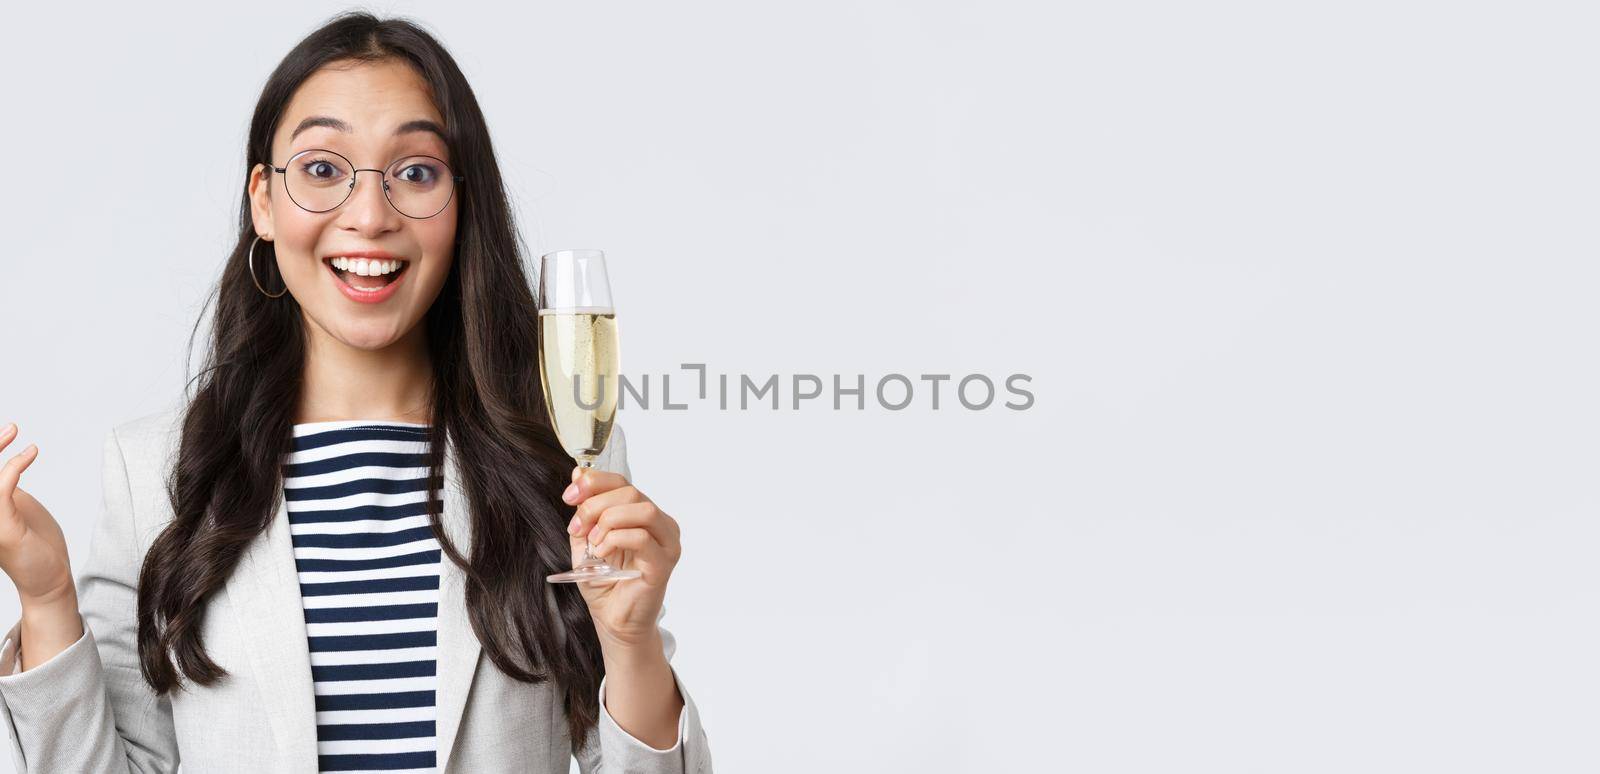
318,180
420,186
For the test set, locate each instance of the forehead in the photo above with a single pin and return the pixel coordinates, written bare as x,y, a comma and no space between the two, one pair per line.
373,98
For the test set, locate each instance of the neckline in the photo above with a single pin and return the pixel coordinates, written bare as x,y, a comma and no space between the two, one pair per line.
334,424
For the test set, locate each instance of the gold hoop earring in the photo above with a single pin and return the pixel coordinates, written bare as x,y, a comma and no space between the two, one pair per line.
250,263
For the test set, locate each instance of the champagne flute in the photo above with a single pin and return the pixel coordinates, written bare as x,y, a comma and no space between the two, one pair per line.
578,361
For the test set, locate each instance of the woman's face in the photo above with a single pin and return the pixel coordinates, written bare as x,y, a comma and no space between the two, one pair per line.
368,103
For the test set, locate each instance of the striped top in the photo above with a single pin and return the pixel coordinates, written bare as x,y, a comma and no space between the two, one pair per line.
368,564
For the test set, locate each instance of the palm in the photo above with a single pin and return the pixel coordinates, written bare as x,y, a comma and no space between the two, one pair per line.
37,558
625,608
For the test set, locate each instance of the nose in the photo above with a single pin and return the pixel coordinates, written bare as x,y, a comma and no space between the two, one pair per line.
368,210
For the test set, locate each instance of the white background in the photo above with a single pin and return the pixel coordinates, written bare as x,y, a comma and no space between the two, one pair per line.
1307,295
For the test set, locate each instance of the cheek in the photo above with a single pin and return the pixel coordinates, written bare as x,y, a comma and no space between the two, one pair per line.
442,230
295,232
434,274
294,245
438,243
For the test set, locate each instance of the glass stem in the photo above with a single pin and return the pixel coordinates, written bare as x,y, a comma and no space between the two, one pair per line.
589,559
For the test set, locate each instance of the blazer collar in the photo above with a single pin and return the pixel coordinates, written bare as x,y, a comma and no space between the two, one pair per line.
265,597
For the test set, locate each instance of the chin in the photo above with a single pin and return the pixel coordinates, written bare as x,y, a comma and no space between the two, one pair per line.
369,335
371,340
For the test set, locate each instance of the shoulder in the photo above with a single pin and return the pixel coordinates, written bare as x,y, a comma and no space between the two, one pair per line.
152,436
143,451
138,455
614,457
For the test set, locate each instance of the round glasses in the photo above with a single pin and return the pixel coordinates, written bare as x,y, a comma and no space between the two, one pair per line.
320,180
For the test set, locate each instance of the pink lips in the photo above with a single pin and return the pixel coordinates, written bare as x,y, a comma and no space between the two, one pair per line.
367,296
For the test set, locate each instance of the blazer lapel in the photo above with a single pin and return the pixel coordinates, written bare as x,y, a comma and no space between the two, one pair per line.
458,643
265,597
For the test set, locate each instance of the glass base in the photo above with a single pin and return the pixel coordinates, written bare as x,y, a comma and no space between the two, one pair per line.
600,572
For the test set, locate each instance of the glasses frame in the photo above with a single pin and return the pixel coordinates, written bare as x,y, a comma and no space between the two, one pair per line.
355,175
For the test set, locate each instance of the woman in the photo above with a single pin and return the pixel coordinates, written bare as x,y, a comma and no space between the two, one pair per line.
335,550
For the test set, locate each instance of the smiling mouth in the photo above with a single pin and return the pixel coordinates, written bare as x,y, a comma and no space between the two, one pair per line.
366,275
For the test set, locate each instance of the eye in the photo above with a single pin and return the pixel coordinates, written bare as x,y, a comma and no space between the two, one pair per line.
319,169
418,174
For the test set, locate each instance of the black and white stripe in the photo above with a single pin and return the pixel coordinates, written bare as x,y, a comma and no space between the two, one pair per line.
368,563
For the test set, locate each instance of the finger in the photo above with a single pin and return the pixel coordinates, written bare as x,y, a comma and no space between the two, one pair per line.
591,483
636,513
7,433
589,510
12,471
643,515
646,555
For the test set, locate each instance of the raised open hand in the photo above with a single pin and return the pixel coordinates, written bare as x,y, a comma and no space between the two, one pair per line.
32,549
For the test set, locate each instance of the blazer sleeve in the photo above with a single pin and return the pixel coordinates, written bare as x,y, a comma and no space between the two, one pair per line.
88,708
611,750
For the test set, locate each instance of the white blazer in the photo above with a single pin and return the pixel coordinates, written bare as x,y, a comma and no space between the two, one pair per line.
88,708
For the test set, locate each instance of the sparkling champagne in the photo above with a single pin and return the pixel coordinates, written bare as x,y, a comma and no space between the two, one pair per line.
581,344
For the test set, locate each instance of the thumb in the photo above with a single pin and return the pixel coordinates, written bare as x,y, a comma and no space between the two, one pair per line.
12,472
9,475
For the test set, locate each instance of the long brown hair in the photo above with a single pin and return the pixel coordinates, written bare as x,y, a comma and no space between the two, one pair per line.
486,399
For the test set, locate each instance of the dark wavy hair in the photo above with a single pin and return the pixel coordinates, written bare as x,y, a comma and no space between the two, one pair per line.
485,393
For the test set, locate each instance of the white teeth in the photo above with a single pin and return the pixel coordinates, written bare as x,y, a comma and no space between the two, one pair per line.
365,267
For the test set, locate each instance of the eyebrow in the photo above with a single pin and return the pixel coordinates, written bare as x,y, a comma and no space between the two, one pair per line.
418,125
